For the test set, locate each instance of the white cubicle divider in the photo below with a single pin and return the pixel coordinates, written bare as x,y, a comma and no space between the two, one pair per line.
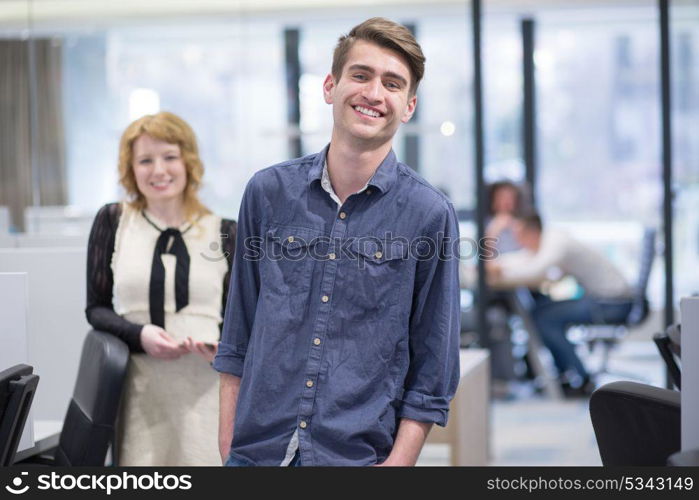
56,324
43,240
13,339
689,309
58,220
7,240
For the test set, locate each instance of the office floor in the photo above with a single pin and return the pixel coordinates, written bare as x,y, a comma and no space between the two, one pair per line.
532,430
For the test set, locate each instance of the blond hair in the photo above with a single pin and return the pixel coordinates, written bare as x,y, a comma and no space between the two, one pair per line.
172,129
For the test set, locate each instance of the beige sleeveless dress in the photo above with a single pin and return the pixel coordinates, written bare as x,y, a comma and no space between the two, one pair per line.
169,413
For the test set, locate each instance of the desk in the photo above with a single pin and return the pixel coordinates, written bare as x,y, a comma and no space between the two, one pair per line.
684,459
468,428
689,306
46,436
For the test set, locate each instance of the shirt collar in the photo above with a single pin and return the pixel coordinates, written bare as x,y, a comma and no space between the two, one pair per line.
384,178
328,187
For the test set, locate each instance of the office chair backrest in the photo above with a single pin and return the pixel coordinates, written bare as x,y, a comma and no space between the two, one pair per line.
89,426
639,309
669,347
17,388
635,424
674,335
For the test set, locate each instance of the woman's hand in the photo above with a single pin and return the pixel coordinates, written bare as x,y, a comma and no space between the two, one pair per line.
206,351
159,344
499,223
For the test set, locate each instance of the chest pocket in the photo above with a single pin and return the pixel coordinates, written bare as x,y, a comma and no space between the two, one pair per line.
290,254
374,275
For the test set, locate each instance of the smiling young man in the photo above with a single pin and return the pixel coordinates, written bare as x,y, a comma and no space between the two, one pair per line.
340,344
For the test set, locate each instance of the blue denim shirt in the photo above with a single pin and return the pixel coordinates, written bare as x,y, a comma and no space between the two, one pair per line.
340,323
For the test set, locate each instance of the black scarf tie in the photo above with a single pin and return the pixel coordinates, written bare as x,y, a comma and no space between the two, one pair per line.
157,275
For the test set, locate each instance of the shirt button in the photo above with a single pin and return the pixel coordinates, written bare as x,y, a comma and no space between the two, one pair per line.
378,255
290,239
325,298
316,341
343,215
309,383
368,191
331,256
303,424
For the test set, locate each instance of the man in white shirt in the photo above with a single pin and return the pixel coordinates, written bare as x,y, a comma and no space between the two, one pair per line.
551,254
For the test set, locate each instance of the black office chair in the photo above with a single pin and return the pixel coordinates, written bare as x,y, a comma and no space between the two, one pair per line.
89,428
635,424
609,334
17,388
669,346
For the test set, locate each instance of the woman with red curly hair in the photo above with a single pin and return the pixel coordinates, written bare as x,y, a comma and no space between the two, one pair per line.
158,271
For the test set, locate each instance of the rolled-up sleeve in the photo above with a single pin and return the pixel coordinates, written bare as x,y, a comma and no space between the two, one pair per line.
433,374
244,290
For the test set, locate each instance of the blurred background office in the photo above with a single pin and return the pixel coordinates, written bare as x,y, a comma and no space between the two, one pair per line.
568,101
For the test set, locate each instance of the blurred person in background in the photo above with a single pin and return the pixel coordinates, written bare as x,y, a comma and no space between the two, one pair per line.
506,200
158,267
550,254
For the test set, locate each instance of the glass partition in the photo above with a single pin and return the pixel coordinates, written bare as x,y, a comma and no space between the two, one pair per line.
684,39
599,130
15,131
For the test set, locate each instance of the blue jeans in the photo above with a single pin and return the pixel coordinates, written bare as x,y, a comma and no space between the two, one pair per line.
552,319
241,462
